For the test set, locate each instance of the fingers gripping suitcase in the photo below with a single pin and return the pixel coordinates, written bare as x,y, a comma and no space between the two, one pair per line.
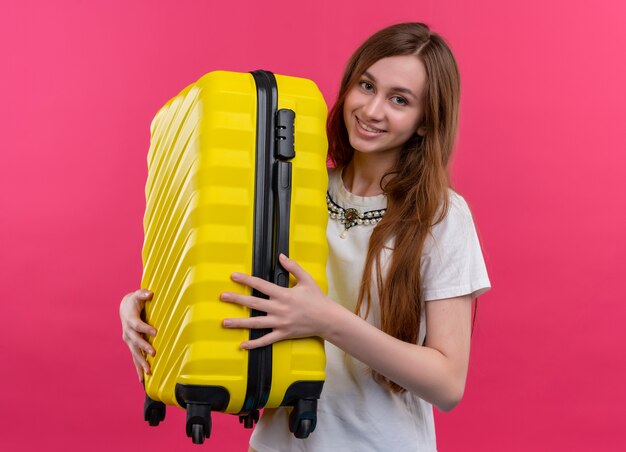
236,175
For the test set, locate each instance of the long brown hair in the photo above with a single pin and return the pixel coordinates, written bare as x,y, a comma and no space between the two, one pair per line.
417,187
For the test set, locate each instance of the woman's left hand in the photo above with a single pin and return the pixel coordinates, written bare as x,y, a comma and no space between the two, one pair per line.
300,311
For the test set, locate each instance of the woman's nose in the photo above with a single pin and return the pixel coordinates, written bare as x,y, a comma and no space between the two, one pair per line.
373,108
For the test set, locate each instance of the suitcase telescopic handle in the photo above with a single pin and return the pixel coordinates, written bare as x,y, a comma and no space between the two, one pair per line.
283,207
284,151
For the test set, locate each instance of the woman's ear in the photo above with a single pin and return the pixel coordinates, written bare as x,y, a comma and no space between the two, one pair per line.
421,131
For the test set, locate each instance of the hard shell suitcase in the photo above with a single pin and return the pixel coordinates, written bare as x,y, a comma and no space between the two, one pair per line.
236,175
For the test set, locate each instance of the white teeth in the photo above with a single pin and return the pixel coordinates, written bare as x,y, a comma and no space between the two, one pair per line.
369,129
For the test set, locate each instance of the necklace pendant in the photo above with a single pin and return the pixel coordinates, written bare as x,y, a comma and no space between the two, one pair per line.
351,215
344,234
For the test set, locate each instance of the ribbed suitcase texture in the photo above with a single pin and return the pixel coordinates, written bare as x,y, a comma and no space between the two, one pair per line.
199,228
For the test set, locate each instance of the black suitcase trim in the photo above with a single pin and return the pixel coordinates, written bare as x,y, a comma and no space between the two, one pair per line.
263,259
217,397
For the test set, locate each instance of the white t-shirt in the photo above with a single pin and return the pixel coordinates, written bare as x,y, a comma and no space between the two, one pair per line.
354,412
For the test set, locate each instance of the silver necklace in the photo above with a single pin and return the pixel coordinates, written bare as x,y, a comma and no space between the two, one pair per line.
351,217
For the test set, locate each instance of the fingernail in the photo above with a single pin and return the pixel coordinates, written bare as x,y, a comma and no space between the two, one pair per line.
245,345
235,276
146,293
227,322
152,352
153,332
282,256
225,296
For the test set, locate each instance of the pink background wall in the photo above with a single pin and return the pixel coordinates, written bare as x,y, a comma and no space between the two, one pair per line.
540,159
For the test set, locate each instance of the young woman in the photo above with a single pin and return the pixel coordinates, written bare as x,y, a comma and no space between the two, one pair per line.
404,260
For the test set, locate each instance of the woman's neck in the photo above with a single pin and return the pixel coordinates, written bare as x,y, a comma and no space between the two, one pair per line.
362,176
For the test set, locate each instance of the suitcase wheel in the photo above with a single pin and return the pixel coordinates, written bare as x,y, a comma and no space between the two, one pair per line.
197,433
155,418
303,418
198,422
153,411
303,430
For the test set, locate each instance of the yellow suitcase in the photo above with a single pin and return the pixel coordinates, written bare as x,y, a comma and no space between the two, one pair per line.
236,175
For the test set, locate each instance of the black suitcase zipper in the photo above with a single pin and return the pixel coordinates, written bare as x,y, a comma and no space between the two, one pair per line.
271,223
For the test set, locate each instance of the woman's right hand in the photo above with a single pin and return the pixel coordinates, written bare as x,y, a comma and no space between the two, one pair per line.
133,329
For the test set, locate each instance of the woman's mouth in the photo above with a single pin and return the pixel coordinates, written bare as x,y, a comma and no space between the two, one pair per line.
367,128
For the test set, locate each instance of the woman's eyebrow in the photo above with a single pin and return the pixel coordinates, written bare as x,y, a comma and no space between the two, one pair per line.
399,89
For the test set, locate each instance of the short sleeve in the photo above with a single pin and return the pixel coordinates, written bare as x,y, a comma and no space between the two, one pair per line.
452,263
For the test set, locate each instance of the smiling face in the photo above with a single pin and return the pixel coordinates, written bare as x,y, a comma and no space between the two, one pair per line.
384,108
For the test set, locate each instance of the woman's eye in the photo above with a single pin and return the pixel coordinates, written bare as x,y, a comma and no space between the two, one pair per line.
399,100
367,86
